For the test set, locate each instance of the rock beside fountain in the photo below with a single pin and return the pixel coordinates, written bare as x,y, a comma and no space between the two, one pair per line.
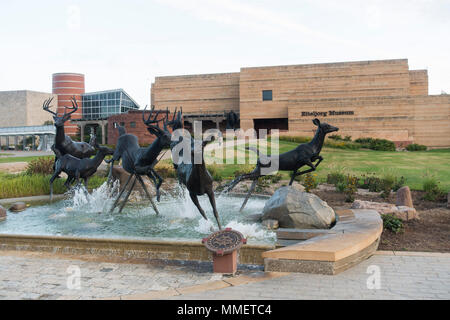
2,213
296,209
18,207
402,212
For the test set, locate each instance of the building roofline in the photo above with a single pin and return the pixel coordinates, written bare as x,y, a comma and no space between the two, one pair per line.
330,63
67,73
113,90
197,75
26,90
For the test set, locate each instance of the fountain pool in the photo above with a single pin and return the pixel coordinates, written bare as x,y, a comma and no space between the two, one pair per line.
86,215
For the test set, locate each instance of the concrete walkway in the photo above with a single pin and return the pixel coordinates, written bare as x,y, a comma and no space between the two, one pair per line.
386,275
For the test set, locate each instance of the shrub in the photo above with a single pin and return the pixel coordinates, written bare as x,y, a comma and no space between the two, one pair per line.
335,178
416,147
296,139
372,183
387,184
376,144
166,170
399,183
41,165
392,223
310,181
432,190
342,144
335,137
244,169
215,172
333,143
349,186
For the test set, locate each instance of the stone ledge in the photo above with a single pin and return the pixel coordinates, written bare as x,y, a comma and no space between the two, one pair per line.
347,243
125,249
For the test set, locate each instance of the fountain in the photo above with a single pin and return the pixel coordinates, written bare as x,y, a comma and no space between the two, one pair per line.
85,223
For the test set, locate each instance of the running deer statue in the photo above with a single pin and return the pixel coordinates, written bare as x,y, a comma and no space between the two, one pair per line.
304,155
139,161
194,176
76,168
63,143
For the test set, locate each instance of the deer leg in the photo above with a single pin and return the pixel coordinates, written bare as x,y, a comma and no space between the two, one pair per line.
158,185
212,200
309,163
121,193
147,193
293,176
128,195
255,174
250,191
197,204
54,176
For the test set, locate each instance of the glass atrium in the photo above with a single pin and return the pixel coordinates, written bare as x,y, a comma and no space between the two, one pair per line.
101,105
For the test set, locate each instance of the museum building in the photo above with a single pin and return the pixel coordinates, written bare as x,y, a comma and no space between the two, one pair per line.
381,99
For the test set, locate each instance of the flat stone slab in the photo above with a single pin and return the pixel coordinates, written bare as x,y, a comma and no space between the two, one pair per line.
348,242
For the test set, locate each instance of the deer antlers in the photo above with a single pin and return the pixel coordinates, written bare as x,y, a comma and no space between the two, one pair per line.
46,106
150,121
74,107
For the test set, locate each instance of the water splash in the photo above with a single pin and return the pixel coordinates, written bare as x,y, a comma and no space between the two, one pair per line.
249,231
96,202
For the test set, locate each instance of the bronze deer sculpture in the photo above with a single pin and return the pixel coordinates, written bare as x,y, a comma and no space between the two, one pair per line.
63,143
139,161
194,176
76,168
304,154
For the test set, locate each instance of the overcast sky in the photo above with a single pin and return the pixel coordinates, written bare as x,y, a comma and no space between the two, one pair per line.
125,44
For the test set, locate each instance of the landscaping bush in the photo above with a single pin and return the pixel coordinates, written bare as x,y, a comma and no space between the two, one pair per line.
296,139
165,170
432,190
335,178
392,223
335,142
399,183
376,144
335,137
349,186
372,183
387,184
41,165
310,181
416,147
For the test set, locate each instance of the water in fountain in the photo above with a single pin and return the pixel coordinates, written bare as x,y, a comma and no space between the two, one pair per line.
87,215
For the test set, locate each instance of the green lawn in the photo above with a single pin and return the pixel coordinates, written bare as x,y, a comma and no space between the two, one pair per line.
414,166
18,159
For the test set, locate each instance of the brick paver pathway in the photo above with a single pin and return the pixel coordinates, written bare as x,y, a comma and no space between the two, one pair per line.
34,276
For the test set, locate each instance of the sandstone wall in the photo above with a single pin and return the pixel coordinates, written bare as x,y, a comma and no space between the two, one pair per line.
205,93
24,108
318,81
418,119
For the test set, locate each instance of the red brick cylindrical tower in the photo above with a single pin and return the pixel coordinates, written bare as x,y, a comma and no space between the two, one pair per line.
66,85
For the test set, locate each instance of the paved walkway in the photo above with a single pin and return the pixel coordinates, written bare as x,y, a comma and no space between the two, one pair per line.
384,276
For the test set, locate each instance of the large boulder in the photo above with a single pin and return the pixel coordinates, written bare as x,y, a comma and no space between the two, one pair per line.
2,213
296,209
17,207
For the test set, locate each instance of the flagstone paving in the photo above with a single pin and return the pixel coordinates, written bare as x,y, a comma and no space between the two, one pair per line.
386,275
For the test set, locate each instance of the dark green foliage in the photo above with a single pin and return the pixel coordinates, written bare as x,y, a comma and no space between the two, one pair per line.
416,147
392,223
376,144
